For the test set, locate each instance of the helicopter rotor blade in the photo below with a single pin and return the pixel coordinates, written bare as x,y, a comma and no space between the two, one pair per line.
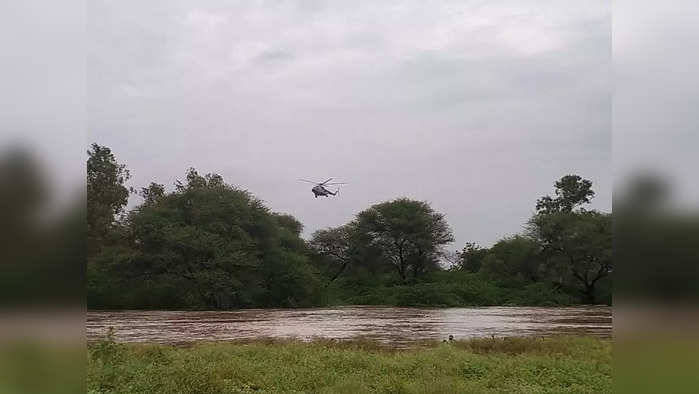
326,181
306,180
335,183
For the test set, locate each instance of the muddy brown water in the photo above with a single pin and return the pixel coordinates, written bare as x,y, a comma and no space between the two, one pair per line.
398,326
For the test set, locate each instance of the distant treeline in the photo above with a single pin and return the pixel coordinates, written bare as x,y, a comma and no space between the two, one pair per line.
211,245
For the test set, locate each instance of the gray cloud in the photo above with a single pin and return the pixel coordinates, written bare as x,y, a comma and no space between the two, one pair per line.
42,103
474,106
656,93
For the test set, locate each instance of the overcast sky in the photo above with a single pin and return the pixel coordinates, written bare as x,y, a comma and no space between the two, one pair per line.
475,106
656,94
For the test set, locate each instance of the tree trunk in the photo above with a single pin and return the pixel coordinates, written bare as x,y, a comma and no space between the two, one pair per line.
401,263
589,293
589,287
417,266
401,272
340,271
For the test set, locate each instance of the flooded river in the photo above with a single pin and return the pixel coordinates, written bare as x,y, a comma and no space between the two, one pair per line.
386,324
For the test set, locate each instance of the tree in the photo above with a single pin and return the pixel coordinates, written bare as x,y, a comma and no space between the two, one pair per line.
471,257
23,193
206,233
28,241
335,245
513,257
289,223
410,234
576,243
654,242
106,194
208,245
571,191
290,233
152,193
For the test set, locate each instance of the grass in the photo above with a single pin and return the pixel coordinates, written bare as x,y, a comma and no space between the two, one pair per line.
31,366
494,365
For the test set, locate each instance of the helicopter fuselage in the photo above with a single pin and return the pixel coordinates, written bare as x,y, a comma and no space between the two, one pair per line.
321,191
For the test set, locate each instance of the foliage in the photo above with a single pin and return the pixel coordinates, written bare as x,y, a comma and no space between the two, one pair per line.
654,242
42,245
210,245
410,234
492,365
205,245
106,193
448,289
152,193
471,257
571,191
335,246
514,257
577,245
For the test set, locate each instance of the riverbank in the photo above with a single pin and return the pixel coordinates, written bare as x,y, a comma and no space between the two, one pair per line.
530,364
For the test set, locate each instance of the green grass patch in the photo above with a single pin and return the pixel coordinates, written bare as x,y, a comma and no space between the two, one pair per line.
493,365
32,366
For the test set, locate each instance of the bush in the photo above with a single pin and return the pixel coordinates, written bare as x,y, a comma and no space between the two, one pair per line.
450,289
541,294
425,294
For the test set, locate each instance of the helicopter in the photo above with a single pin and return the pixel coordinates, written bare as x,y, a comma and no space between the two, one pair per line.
320,190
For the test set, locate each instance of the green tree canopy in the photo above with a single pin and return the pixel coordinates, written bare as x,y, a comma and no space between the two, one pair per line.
514,257
152,193
409,233
471,257
106,193
571,192
335,245
577,244
210,245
